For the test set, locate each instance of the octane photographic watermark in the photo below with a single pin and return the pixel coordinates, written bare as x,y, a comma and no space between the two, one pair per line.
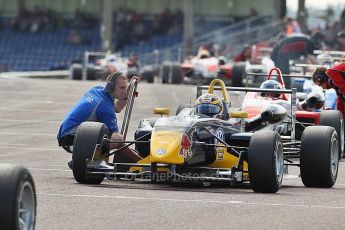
162,176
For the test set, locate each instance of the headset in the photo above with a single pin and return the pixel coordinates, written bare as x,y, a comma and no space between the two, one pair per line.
111,80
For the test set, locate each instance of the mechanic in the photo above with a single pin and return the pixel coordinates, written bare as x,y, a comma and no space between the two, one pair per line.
100,104
293,47
210,105
332,78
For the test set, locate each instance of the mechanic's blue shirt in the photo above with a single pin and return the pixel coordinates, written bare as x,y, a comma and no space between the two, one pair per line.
95,105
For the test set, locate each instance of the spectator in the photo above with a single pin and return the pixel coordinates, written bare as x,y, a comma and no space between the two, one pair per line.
74,38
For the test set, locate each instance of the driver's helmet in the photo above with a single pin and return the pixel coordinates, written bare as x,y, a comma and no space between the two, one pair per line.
270,84
209,105
204,54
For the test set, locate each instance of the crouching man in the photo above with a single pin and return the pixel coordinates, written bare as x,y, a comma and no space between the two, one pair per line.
100,104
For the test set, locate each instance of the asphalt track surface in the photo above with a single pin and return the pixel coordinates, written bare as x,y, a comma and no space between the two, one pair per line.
30,113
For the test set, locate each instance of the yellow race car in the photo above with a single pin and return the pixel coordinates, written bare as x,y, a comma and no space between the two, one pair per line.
227,148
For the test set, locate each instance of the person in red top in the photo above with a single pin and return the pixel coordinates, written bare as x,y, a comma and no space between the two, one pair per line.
333,78
245,55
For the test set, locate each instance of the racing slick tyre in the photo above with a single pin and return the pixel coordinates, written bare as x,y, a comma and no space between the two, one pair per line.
171,72
148,76
177,75
319,156
265,162
91,74
334,118
181,107
17,198
238,74
89,134
76,71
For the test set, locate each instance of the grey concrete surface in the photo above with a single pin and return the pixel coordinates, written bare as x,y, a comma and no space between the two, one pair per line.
30,113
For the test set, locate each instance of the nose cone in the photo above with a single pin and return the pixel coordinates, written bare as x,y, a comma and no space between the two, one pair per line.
166,147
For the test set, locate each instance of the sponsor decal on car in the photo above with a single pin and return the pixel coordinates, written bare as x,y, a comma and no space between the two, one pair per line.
160,151
219,145
186,145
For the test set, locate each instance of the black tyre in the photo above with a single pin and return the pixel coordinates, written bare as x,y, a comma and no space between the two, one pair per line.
265,162
91,74
238,74
148,76
319,156
171,73
334,118
181,107
177,75
164,73
89,134
76,71
17,198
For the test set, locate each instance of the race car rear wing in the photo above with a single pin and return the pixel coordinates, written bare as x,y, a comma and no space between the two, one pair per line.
292,91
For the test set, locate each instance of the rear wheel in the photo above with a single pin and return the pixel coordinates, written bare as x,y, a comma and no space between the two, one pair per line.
17,198
265,162
319,156
91,74
334,118
89,134
171,72
238,74
76,71
148,76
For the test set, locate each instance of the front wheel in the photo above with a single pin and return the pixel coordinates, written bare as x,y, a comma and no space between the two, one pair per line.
89,134
319,156
265,162
334,118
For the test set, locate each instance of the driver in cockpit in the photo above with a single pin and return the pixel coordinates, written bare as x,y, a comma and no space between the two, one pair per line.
209,105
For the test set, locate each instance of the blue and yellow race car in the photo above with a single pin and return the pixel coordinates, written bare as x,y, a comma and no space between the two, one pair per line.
227,148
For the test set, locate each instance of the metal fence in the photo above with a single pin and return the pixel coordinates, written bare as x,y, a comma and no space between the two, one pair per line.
229,41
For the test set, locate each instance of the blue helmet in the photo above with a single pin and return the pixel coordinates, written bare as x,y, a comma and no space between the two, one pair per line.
270,84
209,105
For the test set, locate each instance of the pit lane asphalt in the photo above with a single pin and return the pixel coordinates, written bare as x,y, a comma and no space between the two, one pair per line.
30,113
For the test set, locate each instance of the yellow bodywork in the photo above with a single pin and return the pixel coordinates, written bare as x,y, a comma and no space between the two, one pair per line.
170,142
166,146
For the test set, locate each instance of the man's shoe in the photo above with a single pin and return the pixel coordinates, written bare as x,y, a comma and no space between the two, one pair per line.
70,165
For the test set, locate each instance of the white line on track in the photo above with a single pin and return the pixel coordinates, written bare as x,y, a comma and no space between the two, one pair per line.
32,110
29,121
47,169
28,134
40,149
12,144
194,201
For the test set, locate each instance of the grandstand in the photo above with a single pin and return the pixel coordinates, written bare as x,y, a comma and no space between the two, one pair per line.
48,49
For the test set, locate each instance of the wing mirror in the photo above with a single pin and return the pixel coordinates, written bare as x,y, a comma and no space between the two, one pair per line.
161,111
